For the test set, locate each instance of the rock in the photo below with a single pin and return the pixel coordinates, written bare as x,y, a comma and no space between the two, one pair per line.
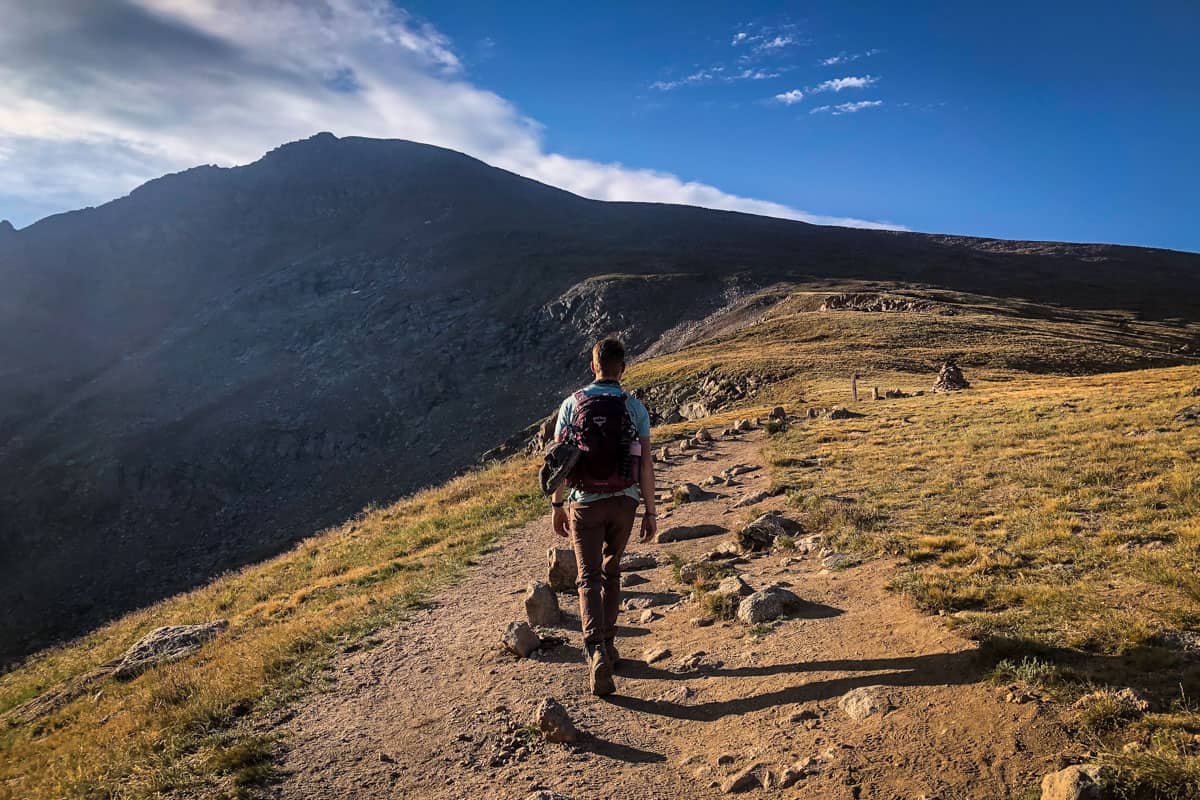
689,572
724,551
684,446
950,379
740,469
561,571
649,615
839,412
520,639
863,702
655,653
714,480
633,580
701,622
682,533
541,604
703,435
1077,782
744,780
778,413
767,604
734,586
744,425
636,603
751,499
687,493
545,794
663,454
169,643
554,723
760,535
632,562
839,561
694,410
1188,414
812,413
798,772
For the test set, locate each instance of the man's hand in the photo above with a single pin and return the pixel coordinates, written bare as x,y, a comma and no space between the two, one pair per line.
649,528
560,521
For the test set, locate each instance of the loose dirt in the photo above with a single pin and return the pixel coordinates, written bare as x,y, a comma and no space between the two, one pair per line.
437,710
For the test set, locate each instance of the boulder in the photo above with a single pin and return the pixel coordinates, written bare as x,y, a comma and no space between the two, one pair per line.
169,643
541,605
744,425
1077,782
633,579
767,604
520,639
687,493
703,435
694,410
950,379
778,413
562,572
681,533
839,412
554,723
863,702
689,572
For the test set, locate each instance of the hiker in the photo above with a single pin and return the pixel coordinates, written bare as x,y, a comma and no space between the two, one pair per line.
615,470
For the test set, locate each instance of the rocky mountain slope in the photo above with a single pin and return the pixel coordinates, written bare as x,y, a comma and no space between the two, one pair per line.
228,360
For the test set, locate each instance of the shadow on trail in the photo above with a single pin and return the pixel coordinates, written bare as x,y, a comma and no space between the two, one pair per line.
939,669
618,752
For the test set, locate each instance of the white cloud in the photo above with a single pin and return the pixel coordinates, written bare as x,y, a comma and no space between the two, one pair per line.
716,74
848,82
790,98
846,58
846,108
776,43
99,97
739,37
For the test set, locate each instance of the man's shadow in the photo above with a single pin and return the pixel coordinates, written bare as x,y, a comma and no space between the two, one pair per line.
938,669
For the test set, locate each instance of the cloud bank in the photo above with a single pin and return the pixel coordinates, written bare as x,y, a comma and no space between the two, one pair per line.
101,95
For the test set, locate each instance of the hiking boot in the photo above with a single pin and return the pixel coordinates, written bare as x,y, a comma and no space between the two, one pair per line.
610,649
600,676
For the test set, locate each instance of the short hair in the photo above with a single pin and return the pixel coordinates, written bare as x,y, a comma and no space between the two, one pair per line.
609,354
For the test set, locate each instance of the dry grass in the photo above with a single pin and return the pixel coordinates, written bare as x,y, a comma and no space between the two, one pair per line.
188,728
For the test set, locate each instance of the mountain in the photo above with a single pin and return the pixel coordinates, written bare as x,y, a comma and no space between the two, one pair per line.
228,360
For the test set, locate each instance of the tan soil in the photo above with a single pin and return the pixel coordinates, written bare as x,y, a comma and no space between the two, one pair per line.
428,712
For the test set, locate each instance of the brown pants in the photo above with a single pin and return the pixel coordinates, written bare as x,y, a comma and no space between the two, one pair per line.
599,532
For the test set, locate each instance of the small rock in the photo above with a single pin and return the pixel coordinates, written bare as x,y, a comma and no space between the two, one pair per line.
520,639
664,454
752,499
541,604
838,561
547,795
778,413
652,655
760,535
863,702
1077,782
838,412
950,379
734,585
554,723
767,604
703,435
562,570
744,780
649,615
168,643
689,572
688,493
633,579
1188,414
680,533
701,622
632,562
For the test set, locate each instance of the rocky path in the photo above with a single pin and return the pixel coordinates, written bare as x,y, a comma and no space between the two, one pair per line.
856,696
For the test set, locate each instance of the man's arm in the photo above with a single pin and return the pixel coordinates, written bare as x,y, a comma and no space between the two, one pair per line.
646,484
558,514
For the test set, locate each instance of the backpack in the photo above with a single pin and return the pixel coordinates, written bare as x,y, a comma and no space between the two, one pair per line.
603,432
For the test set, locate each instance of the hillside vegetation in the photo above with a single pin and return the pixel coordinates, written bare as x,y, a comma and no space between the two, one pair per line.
1050,513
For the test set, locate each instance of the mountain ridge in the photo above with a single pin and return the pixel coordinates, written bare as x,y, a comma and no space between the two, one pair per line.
229,359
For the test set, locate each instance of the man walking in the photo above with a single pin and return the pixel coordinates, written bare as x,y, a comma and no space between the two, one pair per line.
615,471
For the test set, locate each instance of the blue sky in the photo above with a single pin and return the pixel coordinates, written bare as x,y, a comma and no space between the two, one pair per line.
1042,121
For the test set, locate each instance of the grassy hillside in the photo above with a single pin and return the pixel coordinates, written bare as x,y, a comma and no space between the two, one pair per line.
187,728
1051,513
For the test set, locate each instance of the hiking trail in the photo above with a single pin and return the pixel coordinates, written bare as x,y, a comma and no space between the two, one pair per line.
438,710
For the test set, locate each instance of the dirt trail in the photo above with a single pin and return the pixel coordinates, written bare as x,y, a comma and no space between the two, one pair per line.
430,711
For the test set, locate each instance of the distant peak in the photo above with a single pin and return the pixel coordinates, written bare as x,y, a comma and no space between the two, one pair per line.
323,136
6,227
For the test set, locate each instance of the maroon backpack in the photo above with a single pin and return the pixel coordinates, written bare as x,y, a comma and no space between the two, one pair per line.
603,431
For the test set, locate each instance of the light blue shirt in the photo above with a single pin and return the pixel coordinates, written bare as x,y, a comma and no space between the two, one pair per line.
637,413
